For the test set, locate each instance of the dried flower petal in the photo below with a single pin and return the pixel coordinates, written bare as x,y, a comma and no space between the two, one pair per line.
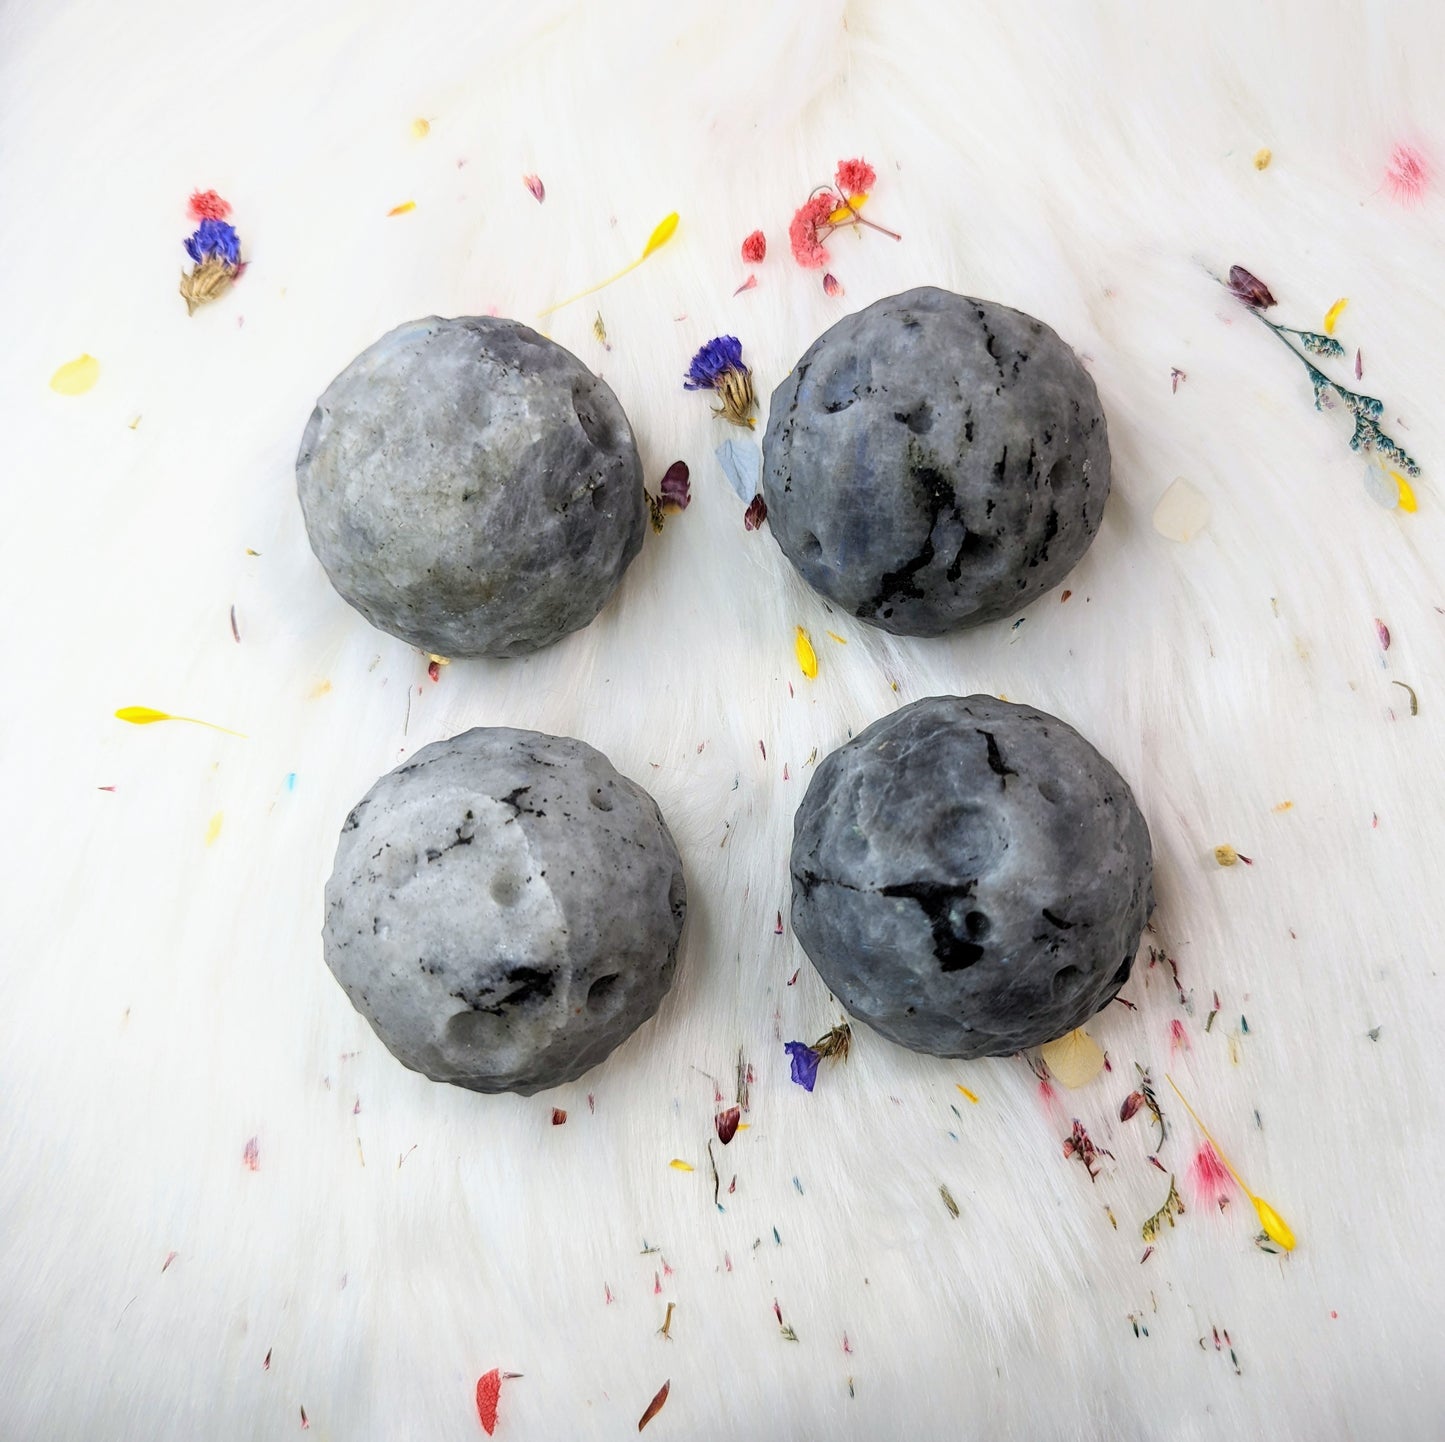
76,377
655,1406
1226,855
807,657
559,1117
674,490
1383,632
1333,314
1182,512
1208,1176
207,205
403,208
808,249
755,247
489,1391
1075,1059
1249,288
534,184
854,177
756,513
1262,158
832,285
1129,1107
420,128
804,1064
727,1124
749,284
742,463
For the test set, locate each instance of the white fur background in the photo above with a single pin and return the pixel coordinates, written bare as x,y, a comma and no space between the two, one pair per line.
164,1000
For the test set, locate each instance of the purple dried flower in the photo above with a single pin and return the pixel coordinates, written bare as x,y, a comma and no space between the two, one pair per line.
805,1063
1249,288
721,354
215,237
674,489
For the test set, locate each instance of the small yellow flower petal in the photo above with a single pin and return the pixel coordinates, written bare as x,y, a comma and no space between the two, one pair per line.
1075,1059
1226,855
678,1165
659,237
213,828
1262,158
1275,1226
76,377
420,128
402,209
807,657
843,212
1333,314
834,636
1285,806
970,1095
1407,494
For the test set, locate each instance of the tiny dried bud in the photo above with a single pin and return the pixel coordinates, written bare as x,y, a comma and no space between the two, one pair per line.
1249,288
1130,1105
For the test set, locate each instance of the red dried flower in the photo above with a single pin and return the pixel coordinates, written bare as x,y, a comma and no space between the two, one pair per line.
855,177
755,247
756,513
207,205
808,250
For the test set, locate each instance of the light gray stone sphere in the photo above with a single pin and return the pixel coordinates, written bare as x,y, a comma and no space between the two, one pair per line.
471,487
935,462
505,909
970,877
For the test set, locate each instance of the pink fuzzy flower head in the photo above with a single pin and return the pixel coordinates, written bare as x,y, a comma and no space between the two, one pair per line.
755,247
808,250
855,177
207,205
1407,174
1209,1177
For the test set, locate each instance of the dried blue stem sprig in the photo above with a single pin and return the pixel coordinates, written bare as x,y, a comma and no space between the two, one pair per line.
1367,438
718,367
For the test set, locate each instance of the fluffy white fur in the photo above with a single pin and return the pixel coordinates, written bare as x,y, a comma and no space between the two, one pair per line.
165,1000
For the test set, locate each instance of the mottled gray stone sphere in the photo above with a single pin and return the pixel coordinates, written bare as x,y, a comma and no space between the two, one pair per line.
935,462
505,909
471,487
970,877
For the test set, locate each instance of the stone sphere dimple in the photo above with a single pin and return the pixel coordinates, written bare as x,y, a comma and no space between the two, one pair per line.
471,487
935,462
970,877
505,909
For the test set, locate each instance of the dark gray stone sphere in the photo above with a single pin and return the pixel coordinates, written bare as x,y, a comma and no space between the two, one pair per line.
935,462
970,877
471,487
505,909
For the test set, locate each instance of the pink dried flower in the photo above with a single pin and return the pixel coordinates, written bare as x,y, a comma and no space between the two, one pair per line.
207,205
1407,174
755,247
855,177
1208,1176
832,285
534,184
808,250
1178,1037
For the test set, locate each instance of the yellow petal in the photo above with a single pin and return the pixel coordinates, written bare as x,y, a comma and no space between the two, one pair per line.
1226,855
1407,494
421,128
966,1092
141,715
213,828
834,636
1074,1059
807,657
678,1165
843,212
1262,158
661,235
402,209
1275,1226
76,377
1333,314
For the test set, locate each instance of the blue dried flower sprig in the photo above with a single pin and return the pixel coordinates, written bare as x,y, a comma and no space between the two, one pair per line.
215,249
1367,438
831,1046
718,367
